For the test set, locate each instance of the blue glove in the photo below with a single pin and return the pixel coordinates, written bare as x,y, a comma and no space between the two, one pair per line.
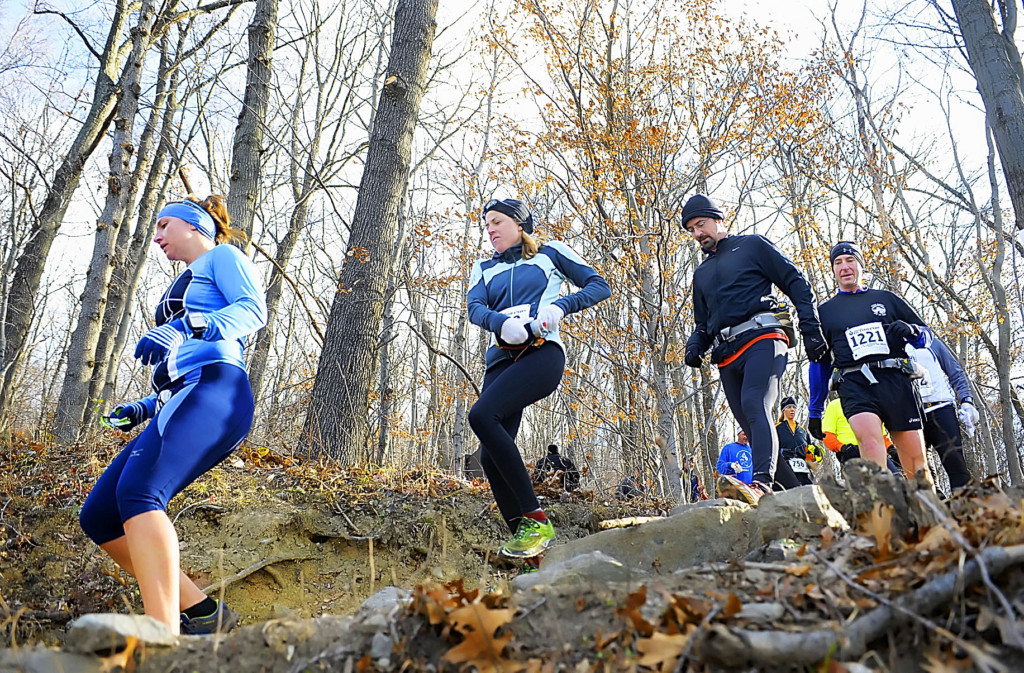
124,417
154,344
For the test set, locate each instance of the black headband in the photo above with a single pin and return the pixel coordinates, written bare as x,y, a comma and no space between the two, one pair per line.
515,209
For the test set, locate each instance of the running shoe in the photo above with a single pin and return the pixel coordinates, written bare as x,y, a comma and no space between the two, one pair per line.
731,487
222,620
531,539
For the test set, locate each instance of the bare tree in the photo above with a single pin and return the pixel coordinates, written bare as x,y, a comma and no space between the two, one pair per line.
29,270
246,156
336,419
993,56
121,189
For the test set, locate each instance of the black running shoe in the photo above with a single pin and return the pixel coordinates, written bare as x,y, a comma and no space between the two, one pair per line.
222,620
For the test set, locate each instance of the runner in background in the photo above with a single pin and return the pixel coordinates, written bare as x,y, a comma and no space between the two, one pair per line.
737,317
511,294
868,331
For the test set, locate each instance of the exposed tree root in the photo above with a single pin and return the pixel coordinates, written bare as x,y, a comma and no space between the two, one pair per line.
741,648
251,569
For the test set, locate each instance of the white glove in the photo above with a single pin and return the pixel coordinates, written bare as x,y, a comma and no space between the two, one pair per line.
970,418
549,317
735,467
513,331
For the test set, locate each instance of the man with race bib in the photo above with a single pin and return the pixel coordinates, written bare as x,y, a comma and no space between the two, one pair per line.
868,331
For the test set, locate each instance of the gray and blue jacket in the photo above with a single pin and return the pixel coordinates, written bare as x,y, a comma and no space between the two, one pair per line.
506,282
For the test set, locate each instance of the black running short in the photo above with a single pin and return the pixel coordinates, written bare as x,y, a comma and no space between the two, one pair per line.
894,398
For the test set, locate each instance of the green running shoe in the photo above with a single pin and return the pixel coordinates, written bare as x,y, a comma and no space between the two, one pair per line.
531,538
222,620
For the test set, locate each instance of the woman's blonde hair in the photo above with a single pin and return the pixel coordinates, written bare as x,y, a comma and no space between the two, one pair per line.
531,245
214,205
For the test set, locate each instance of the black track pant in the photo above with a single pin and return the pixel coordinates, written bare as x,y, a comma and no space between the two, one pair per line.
751,384
509,387
942,433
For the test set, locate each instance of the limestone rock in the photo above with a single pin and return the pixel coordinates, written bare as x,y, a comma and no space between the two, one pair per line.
40,660
593,567
109,632
694,535
798,513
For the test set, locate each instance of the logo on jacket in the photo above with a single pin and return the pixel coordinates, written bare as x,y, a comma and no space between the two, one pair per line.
878,309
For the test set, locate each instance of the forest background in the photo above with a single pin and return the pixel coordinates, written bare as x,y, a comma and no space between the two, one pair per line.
895,124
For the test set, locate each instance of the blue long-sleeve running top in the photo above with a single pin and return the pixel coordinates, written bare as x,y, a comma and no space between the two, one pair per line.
220,284
507,285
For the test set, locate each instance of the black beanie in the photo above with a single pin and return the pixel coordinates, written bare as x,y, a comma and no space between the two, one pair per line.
788,401
699,205
845,248
515,209
552,448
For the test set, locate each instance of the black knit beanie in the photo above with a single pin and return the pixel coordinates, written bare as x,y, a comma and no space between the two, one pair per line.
515,209
699,205
788,402
845,248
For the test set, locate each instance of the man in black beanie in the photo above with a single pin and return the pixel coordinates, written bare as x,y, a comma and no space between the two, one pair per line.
868,331
734,312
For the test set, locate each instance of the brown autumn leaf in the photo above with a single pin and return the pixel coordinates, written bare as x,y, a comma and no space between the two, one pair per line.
631,612
733,606
936,539
661,650
879,526
121,662
799,571
481,648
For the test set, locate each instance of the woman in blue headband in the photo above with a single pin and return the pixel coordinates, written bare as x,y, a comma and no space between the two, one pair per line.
202,408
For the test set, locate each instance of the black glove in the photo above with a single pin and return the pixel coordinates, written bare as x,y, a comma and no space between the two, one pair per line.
849,452
692,357
903,330
816,346
124,417
814,427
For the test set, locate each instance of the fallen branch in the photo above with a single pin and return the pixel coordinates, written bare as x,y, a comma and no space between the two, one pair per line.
627,522
740,648
253,568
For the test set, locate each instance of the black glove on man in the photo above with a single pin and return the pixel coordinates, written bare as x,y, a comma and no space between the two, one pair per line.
816,346
814,427
692,356
849,452
904,330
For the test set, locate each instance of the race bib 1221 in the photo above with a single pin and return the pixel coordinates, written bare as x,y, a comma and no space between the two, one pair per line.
867,339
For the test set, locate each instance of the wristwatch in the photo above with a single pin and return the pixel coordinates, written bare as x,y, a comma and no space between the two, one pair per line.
196,322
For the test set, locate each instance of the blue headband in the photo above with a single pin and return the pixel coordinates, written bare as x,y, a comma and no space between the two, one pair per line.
192,213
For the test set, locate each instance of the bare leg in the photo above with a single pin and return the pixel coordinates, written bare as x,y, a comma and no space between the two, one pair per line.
153,546
910,446
868,429
188,593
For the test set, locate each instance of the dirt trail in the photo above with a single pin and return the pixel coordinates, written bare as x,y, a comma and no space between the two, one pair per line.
291,540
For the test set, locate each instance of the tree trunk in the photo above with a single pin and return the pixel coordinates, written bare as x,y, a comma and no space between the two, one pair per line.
336,421
994,60
29,272
129,250
74,395
1003,327
248,144
265,337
